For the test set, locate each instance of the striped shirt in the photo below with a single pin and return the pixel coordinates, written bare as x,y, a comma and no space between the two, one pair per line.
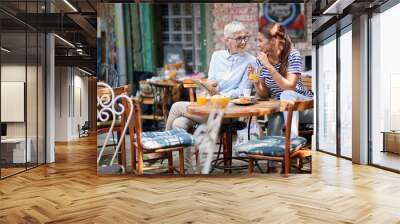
294,66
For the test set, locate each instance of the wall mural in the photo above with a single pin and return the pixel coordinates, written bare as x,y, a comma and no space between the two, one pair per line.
291,15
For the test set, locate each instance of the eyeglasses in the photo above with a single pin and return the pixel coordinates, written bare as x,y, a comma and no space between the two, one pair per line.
240,39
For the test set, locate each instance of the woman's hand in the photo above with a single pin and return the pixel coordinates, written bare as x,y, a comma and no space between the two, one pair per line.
263,58
214,87
213,83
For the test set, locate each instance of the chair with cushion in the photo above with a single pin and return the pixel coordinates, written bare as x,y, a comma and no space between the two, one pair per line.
277,148
104,126
155,142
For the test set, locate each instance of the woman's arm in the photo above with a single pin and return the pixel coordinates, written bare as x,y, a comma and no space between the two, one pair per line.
288,83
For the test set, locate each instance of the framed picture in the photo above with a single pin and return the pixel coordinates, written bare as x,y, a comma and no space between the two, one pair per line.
290,15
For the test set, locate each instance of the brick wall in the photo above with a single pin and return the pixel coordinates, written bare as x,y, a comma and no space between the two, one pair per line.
225,13
220,14
305,47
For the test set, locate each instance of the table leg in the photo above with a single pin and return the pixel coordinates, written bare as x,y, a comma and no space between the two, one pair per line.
248,128
226,155
384,143
230,151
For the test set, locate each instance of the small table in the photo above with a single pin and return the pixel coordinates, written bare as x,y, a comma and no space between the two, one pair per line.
391,141
260,108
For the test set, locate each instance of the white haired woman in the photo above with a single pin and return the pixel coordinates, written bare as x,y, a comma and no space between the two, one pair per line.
227,74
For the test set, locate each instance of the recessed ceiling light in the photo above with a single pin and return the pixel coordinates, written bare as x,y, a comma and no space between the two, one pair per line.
70,5
337,6
5,50
65,41
84,71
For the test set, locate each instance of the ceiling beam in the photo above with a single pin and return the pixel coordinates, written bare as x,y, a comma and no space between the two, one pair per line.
83,61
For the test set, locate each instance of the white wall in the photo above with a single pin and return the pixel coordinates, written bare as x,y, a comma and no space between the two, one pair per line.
33,127
71,102
15,72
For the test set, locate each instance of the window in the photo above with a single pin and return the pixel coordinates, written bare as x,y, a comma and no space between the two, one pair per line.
327,96
22,75
346,93
181,28
385,88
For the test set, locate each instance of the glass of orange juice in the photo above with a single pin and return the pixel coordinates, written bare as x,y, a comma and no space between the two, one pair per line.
225,101
201,97
255,74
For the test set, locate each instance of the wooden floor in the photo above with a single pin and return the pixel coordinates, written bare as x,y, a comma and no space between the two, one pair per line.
386,159
70,192
10,171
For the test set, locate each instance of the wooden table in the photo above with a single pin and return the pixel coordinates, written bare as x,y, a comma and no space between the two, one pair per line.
391,141
235,111
261,108
191,87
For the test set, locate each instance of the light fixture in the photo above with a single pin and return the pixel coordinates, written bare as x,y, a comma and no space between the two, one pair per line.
84,71
338,6
70,5
5,50
65,41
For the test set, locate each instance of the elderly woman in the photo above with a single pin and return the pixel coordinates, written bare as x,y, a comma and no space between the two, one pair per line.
280,76
227,75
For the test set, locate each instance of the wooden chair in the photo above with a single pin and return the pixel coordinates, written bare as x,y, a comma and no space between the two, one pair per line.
304,130
277,148
147,142
164,94
147,98
307,81
104,127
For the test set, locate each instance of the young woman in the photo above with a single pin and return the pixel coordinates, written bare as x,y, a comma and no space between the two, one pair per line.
280,76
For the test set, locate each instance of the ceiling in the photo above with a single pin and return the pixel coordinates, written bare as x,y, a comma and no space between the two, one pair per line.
329,15
73,20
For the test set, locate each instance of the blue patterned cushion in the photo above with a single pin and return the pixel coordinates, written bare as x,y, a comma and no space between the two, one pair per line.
166,139
268,146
